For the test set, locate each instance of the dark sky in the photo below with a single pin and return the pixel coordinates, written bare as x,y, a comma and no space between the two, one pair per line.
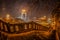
35,8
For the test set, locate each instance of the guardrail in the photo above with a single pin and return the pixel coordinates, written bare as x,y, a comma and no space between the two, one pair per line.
21,27
8,28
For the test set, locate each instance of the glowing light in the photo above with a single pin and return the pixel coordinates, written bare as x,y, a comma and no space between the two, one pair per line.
24,14
23,11
43,18
7,16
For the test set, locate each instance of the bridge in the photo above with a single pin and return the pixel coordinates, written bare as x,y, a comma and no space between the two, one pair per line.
24,31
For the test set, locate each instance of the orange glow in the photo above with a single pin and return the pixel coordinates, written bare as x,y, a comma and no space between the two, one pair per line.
7,16
23,11
44,16
47,33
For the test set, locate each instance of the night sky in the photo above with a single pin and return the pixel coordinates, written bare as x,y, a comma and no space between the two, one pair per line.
35,8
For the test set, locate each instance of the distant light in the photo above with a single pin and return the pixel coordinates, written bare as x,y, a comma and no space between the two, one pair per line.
44,16
49,20
23,11
7,16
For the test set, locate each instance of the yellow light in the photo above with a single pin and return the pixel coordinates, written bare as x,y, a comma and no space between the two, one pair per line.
7,16
45,16
23,10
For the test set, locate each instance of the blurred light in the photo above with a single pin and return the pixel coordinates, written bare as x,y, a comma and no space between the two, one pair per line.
44,16
23,11
7,16
49,20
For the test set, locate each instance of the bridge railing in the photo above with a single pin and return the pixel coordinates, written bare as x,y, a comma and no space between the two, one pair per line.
21,27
